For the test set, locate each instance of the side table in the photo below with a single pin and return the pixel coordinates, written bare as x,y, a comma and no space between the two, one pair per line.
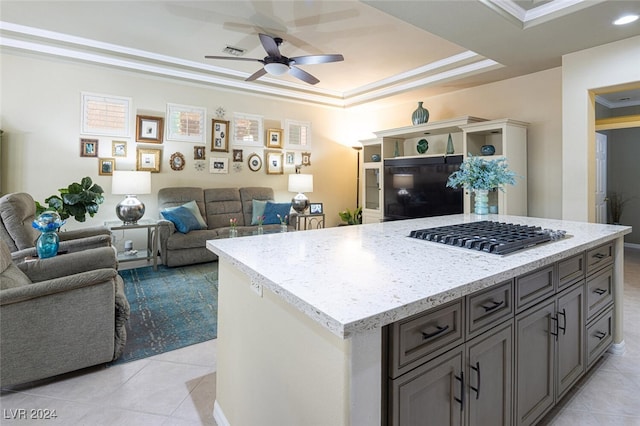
151,252
309,221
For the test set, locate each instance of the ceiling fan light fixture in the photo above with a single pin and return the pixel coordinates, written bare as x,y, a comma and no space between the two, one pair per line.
626,19
276,68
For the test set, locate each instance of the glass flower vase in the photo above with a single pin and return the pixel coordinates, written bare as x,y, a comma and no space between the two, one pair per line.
47,244
260,229
481,201
233,232
283,227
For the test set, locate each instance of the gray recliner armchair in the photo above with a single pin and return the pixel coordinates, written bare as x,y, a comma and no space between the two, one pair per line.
59,314
17,212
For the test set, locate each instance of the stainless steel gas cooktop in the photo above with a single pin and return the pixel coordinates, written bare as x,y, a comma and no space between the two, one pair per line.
488,236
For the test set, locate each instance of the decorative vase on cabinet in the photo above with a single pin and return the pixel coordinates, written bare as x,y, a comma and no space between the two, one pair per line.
481,201
420,115
450,145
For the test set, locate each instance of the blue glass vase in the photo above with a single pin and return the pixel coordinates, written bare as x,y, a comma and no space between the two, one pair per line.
481,201
47,244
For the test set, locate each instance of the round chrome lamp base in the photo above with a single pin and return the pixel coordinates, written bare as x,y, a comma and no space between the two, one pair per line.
130,210
300,203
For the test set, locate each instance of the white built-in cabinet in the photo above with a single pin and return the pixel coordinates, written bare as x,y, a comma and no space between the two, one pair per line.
509,137
468,134
371,181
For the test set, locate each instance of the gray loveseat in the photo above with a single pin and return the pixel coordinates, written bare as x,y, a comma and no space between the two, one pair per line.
217,207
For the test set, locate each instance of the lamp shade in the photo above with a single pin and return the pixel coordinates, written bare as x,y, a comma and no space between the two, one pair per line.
403,181
130,182
300,183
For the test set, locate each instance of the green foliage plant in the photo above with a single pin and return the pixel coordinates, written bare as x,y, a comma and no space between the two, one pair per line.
478,173
77,200
351,217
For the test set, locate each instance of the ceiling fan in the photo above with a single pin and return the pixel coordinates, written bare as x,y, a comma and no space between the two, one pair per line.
277,64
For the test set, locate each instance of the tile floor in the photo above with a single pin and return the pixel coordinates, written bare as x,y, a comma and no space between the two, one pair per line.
178,388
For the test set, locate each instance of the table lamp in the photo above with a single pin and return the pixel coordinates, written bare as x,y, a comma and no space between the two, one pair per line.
130,183
300,183
403,182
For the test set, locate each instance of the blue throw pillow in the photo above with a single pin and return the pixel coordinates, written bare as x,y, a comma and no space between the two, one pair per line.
193,208
258,210
272,210
182,218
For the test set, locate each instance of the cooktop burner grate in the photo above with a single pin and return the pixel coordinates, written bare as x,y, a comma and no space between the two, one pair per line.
488,236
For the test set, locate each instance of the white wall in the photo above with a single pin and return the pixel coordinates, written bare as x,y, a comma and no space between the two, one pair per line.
41,148
589,70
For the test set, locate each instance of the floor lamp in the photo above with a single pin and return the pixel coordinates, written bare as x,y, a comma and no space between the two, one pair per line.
358,149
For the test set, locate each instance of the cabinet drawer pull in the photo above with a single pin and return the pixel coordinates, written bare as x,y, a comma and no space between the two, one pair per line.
477,370
599,291
600,334
461,399
439,330
564,322
555,319
599,255
493,305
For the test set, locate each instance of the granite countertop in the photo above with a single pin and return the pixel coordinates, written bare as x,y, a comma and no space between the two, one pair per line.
357,278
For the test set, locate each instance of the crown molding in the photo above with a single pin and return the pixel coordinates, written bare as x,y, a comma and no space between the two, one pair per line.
49,43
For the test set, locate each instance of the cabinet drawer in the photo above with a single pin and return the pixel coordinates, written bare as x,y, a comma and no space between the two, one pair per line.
599,291
599,336
571,271
424,336
486,308
599,257
534,287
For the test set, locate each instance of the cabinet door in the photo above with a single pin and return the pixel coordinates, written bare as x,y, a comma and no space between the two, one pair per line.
535,346
570,345
430,394
489,376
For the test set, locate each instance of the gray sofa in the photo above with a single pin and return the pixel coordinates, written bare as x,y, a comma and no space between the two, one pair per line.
217,206
59,314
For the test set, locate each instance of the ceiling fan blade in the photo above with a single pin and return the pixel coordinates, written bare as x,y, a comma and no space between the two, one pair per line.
270,45
234,58
316,59
256,75
303,75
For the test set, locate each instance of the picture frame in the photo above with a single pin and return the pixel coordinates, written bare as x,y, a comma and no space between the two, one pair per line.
88,147
290,158
218,165
148,160
219,135
255,162
237,155
177,161
198,152
316,208
149,129
274,163
306,158
274,138
119,148
106,166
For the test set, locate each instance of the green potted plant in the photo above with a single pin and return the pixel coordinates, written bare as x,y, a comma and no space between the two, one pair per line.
77,200
616,206
481,176
351,217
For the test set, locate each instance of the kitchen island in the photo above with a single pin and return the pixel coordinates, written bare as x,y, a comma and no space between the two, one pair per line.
301,315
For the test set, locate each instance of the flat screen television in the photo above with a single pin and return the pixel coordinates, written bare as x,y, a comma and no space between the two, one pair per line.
417,187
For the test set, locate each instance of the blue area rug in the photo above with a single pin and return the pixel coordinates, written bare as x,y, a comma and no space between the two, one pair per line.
170,308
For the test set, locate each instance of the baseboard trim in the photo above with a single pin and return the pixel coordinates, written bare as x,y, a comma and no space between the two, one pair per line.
617,348
219,416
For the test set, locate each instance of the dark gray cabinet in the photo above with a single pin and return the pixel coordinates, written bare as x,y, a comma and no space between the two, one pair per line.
535,362
549,353
431,394
489,373
503,355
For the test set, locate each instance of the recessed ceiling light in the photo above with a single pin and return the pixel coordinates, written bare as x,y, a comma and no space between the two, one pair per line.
626,19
